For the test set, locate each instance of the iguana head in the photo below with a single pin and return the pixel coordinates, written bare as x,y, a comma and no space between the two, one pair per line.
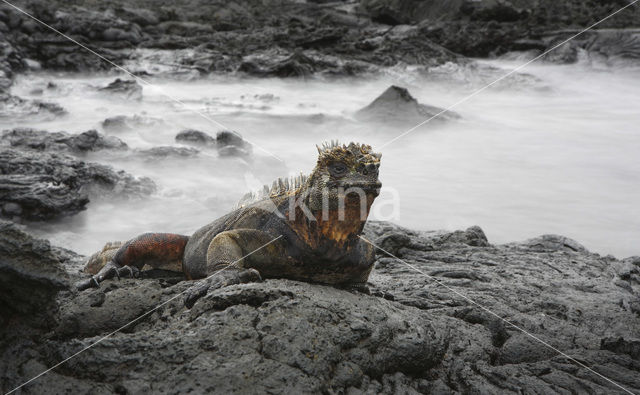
344,176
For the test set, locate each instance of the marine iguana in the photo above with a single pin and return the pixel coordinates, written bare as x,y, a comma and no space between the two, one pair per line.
319,218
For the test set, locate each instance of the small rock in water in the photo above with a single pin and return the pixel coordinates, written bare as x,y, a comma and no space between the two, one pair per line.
231,143
124,123
195,137
116,124
397,106
129,89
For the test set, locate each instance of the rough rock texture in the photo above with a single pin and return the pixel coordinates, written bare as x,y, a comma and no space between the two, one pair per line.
492,27
254,37
41,140
411,335
31,274
39,186
397,106
296,38
230,143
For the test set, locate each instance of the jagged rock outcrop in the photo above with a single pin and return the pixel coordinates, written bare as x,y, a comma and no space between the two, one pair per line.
396,106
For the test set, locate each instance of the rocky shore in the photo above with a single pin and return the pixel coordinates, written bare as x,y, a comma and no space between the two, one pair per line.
411,335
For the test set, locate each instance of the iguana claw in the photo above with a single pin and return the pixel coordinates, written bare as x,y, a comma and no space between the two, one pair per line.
110,270
91,282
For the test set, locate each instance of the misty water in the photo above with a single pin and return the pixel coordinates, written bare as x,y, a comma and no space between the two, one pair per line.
554,150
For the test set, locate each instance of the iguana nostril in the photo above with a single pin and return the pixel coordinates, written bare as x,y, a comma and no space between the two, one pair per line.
370,168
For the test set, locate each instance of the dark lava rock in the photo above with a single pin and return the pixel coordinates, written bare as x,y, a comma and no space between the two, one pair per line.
397,106
283,336
31,275
129,89
488,28
230,143
195,137
41,186
41,140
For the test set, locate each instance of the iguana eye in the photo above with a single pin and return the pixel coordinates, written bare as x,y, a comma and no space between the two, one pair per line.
337,169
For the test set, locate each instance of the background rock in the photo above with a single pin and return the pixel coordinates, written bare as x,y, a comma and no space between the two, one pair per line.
129,89
39,186
397,106
41,140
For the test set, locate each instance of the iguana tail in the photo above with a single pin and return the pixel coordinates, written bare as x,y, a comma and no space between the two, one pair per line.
158,250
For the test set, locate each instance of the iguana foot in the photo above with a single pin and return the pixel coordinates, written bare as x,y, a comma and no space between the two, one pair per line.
128,271
222,279
109,270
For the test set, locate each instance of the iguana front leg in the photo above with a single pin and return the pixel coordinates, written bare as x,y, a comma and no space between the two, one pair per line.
117,259
232,258
108,271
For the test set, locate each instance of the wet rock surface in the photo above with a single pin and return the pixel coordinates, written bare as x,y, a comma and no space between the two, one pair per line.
41,186
411,335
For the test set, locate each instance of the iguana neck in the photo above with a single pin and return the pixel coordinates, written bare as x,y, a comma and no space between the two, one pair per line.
331,229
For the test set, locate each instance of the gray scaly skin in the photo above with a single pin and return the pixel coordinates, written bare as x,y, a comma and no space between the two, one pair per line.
317,218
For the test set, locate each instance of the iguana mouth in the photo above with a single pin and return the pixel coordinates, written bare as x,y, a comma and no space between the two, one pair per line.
368,187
